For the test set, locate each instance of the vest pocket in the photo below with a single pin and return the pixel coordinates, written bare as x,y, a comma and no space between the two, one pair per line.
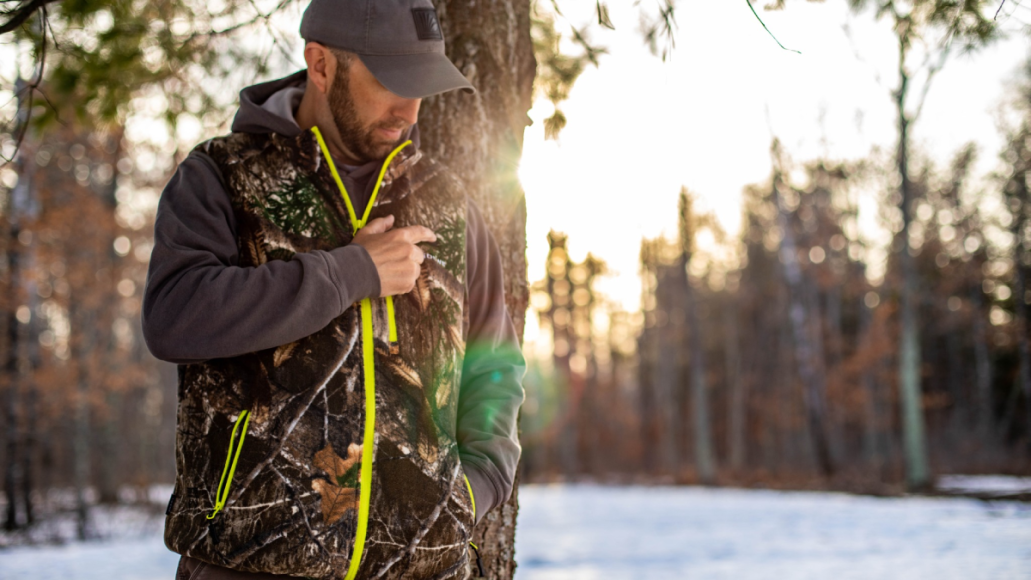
232,456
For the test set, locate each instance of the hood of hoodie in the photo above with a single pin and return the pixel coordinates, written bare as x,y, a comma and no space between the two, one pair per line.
268,108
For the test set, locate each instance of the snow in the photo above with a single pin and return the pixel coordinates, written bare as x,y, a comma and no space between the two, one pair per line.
588,532
125,559
583,532
988,484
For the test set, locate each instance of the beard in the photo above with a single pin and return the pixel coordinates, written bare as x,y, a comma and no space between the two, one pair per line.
360,139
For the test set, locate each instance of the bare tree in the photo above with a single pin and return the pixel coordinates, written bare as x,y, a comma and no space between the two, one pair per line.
803,318
736,395
705,460
913,23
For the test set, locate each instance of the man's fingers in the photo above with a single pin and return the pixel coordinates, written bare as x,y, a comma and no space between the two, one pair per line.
417,234
379,225
418,256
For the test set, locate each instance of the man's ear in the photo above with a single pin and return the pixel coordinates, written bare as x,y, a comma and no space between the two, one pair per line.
321,65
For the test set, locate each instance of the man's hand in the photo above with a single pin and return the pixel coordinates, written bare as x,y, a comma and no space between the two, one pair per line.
395,253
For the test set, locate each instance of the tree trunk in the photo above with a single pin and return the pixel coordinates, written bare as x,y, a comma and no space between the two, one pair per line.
705,462
871,412
480,137
29,448
837,414
647,347
668,375
82,324
12,465
736,399
983,364
18,209
111,452
807,357
1023,348
917,471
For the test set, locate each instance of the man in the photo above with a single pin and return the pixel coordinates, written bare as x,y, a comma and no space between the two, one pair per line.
349,377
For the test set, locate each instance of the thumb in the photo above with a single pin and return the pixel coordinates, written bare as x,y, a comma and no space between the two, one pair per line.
379,225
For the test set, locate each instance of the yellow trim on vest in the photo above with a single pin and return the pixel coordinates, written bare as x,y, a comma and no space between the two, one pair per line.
368,358
355,222
224,482
336,177
365,493
379,180
390,320
472,498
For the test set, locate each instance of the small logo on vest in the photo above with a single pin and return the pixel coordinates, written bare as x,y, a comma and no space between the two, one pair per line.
426,25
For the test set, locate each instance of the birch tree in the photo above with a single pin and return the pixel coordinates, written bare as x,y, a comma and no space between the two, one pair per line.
803,319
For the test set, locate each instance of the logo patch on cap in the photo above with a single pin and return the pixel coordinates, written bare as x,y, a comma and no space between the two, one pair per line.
426,25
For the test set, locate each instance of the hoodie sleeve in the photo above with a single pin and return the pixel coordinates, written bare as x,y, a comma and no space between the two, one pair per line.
198,304
492,374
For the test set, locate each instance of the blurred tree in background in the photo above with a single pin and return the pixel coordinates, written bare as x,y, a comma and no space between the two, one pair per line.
925,31
808,393
85,405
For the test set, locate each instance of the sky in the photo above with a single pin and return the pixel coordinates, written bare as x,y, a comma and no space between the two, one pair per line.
639,128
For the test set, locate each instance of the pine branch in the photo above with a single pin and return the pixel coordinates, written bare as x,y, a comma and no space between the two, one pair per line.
752,8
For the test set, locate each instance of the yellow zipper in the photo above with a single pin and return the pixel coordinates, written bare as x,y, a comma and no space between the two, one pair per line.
222,493
368,362
472,499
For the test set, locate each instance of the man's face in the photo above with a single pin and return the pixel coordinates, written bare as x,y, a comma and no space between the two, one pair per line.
371,120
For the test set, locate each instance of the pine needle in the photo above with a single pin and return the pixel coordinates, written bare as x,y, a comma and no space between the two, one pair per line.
750,7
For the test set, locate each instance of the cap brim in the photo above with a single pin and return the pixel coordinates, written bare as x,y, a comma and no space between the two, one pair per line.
415,76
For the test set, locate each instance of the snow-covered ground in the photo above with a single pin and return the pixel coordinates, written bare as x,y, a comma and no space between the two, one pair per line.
984,484
588,532
574,532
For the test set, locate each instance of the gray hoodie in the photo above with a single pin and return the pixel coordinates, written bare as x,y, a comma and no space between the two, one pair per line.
198,304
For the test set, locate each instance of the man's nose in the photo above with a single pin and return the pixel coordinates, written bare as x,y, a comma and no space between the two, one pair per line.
408,109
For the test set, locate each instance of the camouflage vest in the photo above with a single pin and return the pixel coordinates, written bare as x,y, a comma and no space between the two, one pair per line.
270,445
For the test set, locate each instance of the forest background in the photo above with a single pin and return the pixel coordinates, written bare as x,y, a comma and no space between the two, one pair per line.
827,285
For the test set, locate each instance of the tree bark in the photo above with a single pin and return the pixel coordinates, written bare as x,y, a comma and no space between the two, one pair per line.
807,357
1020,307
871,411
82,324
668,377
19,208
11,380
736,409
914,444
480,137
983,366
705,461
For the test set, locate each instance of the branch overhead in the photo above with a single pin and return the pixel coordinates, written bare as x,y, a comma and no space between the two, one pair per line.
19,14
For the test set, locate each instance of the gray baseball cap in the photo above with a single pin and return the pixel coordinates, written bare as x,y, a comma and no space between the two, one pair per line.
399,41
